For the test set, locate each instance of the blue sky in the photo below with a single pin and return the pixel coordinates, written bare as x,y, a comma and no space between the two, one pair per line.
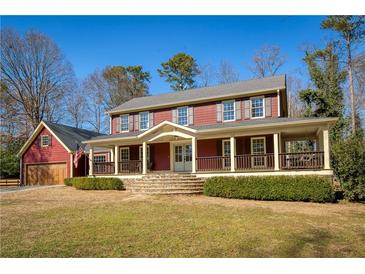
91,42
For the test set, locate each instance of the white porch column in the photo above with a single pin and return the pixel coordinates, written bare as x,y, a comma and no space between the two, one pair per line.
276,151
111,155
116,159
232,142
193,155
71,165
91,161
144,158
326,149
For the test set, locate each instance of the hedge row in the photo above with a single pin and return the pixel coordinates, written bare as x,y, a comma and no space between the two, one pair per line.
86,183
275,188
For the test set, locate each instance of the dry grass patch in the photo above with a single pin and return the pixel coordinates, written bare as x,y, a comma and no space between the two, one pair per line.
64,222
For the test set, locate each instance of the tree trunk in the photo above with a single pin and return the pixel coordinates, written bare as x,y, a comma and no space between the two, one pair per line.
352,92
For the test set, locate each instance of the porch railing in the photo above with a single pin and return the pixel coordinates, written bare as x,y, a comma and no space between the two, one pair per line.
213,163
104,168
130,166
302,160
255,161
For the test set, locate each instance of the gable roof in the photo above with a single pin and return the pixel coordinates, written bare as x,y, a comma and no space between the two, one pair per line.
69,137
72,137
203,94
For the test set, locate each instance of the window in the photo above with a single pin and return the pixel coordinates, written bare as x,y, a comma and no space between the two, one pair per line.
99,159
141,153
124,154
226,152
257,107
258,147
44,141
228,111
124,122
182,116
143,120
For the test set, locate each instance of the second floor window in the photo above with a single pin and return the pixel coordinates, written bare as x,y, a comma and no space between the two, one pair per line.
44,141
228,111
182,116
257,107
124,122
143,120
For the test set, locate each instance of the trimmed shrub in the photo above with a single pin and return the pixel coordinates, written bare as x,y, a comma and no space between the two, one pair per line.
86,183
274,188
68,181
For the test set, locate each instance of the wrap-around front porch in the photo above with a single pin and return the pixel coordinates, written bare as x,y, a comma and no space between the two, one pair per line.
174,148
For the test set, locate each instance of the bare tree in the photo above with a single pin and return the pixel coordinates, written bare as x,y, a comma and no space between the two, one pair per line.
226,73
36,74
295,107
207,75
267,61
95,90
76,105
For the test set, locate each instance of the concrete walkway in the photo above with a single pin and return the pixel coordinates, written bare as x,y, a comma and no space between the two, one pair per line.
12,189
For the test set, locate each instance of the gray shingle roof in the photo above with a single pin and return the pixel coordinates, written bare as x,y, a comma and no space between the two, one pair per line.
254,122
232,89
71,136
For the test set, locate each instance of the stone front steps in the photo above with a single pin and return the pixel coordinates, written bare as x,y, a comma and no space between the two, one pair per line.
169,183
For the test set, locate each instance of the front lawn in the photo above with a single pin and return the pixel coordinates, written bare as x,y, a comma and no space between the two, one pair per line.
64,222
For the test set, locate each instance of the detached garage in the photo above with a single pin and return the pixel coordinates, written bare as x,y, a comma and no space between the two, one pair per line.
47,157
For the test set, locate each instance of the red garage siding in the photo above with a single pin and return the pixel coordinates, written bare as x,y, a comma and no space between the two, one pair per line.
55,153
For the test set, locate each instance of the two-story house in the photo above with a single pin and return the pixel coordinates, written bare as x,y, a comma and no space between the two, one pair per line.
240,128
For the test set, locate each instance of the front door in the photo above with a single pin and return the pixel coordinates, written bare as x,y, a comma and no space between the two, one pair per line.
182,157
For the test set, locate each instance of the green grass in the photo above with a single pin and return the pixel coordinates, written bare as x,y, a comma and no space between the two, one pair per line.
64,222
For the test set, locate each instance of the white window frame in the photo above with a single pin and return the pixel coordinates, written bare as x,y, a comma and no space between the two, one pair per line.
140,120
121,124
187,115
230,152
42,137
140,153
263,107
120,153
234,110
252,157
96,156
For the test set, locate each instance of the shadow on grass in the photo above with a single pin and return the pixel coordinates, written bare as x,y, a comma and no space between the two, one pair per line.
311,243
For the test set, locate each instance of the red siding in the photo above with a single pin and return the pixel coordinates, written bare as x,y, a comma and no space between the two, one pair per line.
274,105
205,114
160,156
114,124
162,115
207,148
55,153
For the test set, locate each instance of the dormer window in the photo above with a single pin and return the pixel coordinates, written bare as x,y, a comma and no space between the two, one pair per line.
228,111
144,120
182,116
124,123
44,141
257,107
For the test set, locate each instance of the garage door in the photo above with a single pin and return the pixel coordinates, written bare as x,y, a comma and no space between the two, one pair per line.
51,174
